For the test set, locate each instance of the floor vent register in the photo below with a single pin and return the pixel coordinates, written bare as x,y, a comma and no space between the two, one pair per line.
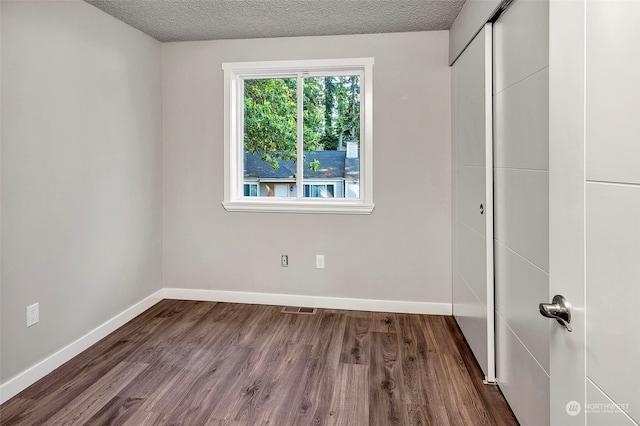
298,310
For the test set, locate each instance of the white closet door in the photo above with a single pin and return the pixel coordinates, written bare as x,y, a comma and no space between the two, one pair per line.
473,287
594,157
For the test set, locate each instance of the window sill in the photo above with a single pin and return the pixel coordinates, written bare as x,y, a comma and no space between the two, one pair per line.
298,206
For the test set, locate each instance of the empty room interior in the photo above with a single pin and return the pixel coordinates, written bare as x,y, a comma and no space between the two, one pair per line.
285,212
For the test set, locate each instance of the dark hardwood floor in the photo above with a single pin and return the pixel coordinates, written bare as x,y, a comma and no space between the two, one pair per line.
203,363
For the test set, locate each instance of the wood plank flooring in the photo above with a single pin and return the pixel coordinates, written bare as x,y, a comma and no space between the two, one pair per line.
204,363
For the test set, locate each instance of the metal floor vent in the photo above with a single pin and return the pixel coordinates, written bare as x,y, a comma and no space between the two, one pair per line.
298,310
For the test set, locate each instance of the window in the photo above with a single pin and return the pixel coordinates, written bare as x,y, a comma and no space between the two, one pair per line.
298,136
319,191
250,189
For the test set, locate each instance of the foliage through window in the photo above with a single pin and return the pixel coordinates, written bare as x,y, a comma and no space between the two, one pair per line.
299,132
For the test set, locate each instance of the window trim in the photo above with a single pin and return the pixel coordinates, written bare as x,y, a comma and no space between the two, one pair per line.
234,72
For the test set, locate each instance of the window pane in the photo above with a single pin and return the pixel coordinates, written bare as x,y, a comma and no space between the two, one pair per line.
250,189
270,135
319,191
332,136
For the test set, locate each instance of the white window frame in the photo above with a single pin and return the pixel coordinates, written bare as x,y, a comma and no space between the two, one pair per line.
234,75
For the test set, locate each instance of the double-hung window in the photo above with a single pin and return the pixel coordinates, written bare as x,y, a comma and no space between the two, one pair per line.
298,136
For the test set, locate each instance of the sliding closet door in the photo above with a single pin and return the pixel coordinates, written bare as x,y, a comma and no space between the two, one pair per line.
473,300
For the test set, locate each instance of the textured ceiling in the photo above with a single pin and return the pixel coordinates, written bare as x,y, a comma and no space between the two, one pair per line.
184,20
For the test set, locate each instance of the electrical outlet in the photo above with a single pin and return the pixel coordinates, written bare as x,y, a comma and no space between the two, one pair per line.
33,314
284,260
320,261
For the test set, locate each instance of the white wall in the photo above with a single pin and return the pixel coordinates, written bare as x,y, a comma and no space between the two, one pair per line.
521,191
402,251
81,173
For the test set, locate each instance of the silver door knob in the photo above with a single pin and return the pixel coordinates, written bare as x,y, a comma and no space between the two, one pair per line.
559,309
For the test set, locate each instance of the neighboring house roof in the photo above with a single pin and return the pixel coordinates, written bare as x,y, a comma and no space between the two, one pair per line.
333,165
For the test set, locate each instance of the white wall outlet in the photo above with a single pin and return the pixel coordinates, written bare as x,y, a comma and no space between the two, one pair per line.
33,314
320,261
284,260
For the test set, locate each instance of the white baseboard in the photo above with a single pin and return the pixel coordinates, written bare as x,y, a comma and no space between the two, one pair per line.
31,375
398,306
